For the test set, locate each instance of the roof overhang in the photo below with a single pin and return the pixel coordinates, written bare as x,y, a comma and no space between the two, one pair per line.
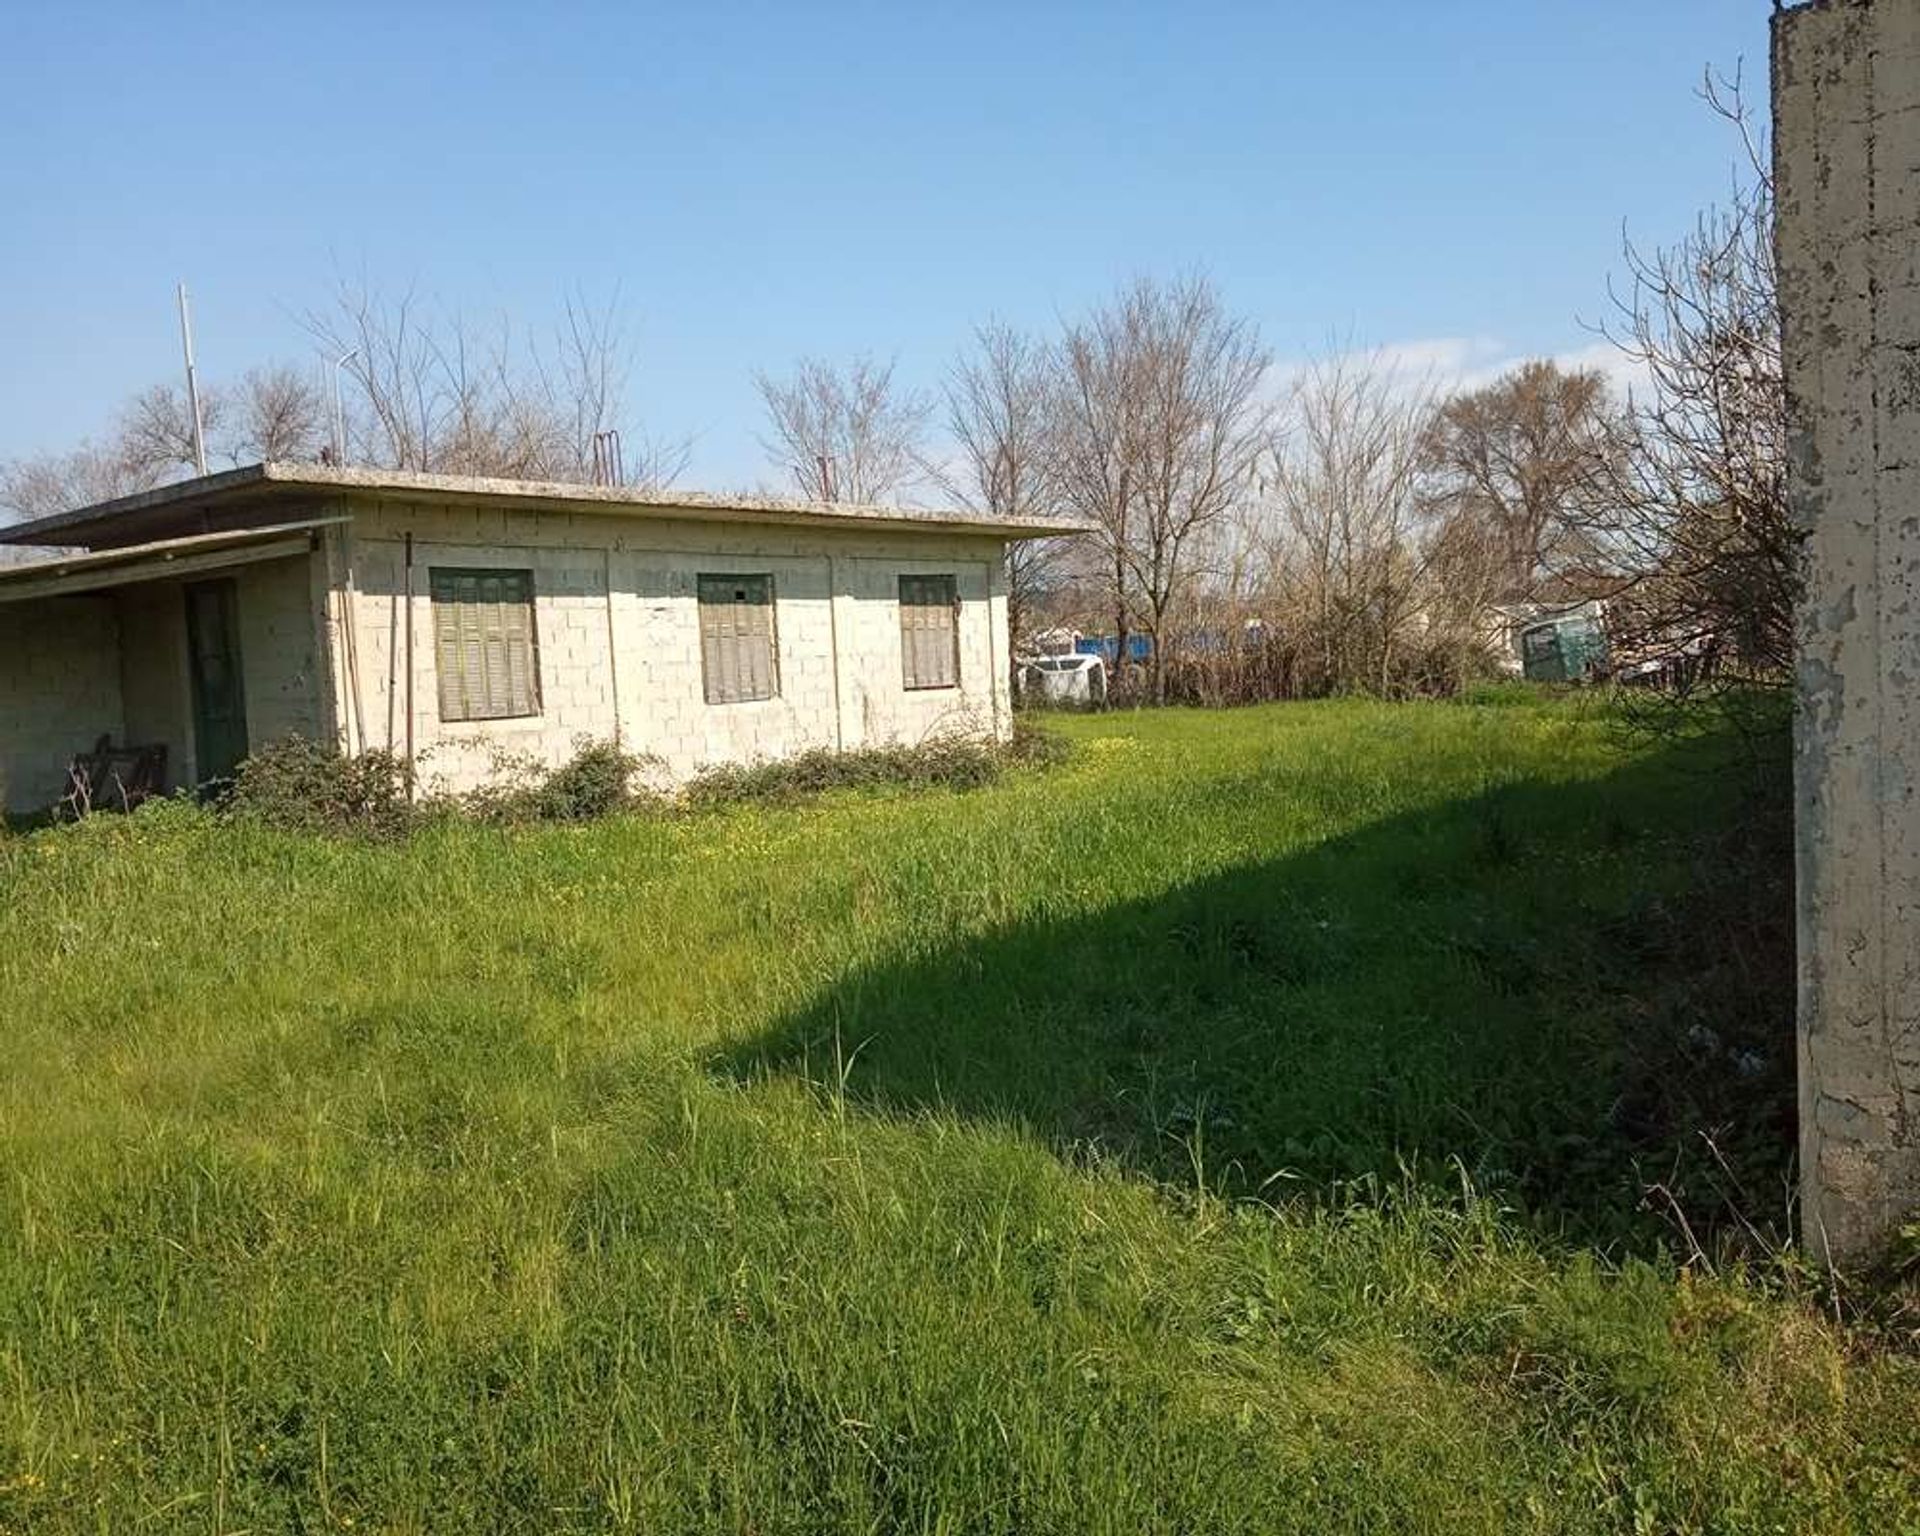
166,559
172,509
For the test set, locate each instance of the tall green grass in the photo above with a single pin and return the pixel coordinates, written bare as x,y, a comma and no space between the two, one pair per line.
1220,1132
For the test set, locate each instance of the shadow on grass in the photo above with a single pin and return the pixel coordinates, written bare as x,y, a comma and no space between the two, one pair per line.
1577,992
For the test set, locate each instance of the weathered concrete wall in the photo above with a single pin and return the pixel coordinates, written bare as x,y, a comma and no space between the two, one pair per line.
618,636
115,663
59,692
281,667
153,673
1847,149
280,661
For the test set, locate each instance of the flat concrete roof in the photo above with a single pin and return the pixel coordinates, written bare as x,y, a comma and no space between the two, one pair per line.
231,490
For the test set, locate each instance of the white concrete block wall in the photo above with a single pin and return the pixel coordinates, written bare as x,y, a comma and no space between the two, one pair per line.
323,646
570,624
664,710
59,692
280,660
618,632
876,704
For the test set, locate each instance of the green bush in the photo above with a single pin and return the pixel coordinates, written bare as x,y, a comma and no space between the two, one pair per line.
302,786
945,763
598,780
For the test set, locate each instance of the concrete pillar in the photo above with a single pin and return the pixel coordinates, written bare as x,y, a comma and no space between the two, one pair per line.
1846,98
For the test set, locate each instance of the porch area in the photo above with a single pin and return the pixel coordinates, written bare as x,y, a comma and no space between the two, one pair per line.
192,651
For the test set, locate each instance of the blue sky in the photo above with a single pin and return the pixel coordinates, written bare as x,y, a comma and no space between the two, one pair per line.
1448,178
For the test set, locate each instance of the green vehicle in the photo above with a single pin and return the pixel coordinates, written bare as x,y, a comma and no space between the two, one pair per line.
1569,649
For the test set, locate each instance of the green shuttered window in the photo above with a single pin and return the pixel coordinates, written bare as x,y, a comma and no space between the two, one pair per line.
484,645
929,631
739,654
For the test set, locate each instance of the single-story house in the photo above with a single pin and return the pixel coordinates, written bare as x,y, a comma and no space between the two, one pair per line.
469,621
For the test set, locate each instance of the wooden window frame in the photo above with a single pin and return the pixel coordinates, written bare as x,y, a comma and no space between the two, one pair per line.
460,619
714,686
912,676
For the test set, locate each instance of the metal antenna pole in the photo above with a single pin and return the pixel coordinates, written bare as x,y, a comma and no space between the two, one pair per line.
193,385
339,411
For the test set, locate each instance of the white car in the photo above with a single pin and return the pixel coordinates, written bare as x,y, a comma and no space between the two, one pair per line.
1063,679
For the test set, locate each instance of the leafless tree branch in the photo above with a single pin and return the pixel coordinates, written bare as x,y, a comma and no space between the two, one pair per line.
844,434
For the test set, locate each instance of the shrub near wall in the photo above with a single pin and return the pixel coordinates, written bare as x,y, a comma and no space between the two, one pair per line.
600,779
300,786
946,763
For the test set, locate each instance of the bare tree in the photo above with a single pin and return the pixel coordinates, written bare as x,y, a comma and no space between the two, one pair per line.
276,413
271,413
1205,428
1694,504
1000,414
47,483
1348,566
442,394
1095,454
424,393
1510,469
844,434
156,430
394,367
1162,425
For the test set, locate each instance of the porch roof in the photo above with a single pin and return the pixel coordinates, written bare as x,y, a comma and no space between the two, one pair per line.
67,575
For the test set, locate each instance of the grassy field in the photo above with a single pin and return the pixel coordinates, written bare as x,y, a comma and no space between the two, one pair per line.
1242,1127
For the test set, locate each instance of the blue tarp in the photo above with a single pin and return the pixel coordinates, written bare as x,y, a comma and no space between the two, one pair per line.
1139,647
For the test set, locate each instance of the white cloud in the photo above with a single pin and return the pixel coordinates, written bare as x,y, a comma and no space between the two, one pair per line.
1448,364
1442,359
1627,375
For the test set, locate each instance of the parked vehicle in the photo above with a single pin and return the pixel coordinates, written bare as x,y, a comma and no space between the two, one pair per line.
1063,680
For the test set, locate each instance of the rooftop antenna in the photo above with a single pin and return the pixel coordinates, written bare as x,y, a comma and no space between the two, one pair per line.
608,466
339,423
193,385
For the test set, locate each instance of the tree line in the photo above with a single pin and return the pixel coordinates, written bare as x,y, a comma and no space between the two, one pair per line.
1331,526
1339,526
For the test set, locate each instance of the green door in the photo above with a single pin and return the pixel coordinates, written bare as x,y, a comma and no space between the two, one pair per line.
219,696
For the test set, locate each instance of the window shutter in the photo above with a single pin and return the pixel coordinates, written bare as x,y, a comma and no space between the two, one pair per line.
486,645
929,632
446,652
739,656
514,648
714,648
